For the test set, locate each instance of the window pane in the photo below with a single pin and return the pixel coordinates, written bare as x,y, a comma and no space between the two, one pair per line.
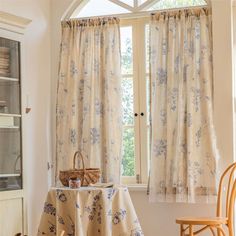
128,2
165,4
126,50
99,8
128,101
147,50
148,147
148,100
128,160
140,2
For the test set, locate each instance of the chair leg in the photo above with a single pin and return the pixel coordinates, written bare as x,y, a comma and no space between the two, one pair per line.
212,231
190,230
181,230
221,232
231,233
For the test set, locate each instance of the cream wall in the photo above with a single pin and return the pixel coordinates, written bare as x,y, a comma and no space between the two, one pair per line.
37,85
42,49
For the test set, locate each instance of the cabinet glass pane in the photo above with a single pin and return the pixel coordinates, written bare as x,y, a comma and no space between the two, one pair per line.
9,58
10,116
10,153
9,76
9,97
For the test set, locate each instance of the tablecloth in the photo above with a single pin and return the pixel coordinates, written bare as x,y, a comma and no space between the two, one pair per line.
89,212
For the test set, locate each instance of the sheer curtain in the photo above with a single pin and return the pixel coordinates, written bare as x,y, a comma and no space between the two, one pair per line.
89,114
183,151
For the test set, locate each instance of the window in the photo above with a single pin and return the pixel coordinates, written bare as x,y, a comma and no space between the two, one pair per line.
135,75
135,86
89,8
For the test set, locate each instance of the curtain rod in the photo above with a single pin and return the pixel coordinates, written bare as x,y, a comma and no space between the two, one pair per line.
140,14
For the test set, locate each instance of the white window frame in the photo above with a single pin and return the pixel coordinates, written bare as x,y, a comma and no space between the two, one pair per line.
135,11
139,83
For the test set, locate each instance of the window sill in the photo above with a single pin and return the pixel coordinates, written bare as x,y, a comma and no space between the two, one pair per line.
137,187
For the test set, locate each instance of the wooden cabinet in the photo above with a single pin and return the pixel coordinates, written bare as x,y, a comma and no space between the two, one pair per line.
12,158
10,115
11,217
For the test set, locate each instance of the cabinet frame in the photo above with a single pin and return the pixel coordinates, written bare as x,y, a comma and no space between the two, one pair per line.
13,27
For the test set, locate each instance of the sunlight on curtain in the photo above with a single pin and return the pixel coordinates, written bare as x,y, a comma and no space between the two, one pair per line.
183,153
89,113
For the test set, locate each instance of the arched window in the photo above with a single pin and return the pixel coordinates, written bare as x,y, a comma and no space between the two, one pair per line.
113,7
134,15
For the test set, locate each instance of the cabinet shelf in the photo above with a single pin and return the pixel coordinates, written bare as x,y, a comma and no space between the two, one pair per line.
9,175
9,79
11,115
9,127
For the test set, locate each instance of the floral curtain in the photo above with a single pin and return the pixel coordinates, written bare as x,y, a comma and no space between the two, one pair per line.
183,149
89,114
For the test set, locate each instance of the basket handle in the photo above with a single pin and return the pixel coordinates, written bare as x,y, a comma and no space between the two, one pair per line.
79,155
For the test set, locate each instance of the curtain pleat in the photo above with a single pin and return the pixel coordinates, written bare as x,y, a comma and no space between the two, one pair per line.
89,114
183,144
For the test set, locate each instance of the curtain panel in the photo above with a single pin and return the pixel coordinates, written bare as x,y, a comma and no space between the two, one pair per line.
183,144
89,113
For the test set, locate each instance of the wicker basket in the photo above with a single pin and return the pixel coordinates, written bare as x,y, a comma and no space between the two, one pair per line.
86,175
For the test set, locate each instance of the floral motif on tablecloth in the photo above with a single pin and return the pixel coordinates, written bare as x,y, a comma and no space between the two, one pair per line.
60,220
61,196
72,227
52,228
49,209
95,209
118,216
137,232
110,193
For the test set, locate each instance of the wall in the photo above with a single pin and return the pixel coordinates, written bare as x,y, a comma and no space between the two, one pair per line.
159,219
37,85
42,65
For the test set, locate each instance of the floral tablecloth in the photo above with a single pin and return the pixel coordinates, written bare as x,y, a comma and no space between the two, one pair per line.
89,212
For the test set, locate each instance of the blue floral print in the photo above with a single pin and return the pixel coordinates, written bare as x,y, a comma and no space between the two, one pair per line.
118,216
89,93
183,144
94,135
160,148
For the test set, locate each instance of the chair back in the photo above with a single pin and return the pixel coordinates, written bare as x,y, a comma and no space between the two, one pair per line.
230,195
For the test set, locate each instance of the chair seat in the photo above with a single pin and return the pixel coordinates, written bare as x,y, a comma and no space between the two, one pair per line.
201,220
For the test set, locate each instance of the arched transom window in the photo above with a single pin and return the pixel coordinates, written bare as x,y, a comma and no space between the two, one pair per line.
89,8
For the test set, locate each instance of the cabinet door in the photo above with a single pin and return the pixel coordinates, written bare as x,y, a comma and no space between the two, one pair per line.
11,217
10,115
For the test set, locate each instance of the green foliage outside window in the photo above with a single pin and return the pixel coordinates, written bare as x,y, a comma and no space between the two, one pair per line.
164,4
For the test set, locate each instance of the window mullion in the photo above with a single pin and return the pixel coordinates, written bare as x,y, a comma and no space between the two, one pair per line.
142,103
136,97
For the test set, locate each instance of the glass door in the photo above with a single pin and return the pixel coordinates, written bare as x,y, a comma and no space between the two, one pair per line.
10,116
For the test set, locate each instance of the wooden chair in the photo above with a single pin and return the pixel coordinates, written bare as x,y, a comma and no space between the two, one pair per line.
215,224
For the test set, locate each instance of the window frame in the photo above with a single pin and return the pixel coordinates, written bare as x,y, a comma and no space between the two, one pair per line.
140,104
137,10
